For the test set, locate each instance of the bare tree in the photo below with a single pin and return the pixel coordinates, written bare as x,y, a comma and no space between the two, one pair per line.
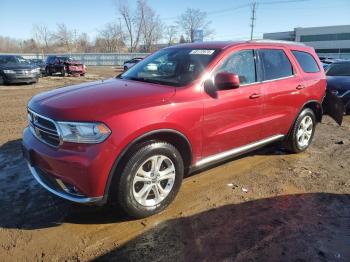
132,23
151,25
111,38
171,33
63,37
8,44
41,35
83,43
192,20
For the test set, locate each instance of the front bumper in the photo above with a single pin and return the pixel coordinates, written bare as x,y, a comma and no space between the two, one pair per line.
15,80
76,172
59,189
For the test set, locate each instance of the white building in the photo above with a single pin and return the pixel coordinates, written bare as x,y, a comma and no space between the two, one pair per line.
331,41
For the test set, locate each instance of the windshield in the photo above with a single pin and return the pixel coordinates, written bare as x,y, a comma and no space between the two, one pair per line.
12,60
341,69
171,66
64,58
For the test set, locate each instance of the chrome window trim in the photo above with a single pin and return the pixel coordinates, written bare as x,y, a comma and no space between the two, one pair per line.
345,93
277,79
237,150
50,120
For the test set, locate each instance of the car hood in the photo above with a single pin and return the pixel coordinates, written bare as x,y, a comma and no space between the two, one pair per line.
13,66
73,62
338,82
99,100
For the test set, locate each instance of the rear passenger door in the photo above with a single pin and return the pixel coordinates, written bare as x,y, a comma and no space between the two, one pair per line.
281,89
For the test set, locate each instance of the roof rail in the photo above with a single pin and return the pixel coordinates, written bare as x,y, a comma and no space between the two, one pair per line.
277,42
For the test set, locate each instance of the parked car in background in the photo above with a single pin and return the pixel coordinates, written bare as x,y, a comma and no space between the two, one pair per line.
338,81
130,63
131,139
64,65
16,69
39,63
325,66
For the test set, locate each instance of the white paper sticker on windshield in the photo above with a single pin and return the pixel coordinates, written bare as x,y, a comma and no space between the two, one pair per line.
202,52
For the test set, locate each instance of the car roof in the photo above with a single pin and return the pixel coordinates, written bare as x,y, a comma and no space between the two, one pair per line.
228,44
341,62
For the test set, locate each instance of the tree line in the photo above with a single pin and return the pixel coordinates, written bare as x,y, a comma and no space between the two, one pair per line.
138,29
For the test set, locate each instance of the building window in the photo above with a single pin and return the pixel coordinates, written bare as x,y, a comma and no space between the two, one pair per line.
325,37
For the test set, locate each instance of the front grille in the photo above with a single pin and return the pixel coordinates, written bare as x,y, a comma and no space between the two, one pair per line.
23,73
43,128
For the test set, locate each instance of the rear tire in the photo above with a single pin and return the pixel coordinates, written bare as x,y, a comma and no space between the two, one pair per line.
347,111
302,132
150,180
2,81
63,72
48,71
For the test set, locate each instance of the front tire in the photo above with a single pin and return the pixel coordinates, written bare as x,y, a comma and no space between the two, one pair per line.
150,180
302,132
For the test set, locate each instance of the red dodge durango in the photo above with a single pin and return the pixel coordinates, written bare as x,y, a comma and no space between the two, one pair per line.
131,139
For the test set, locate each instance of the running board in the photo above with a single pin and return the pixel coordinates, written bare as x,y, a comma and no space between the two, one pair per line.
237,151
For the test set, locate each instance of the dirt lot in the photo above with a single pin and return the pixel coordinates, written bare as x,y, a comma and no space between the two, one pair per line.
265,206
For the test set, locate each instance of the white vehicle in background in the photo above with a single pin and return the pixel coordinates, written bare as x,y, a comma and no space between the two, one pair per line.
130,63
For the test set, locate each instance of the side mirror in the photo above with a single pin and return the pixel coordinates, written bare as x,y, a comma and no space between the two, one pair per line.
225,81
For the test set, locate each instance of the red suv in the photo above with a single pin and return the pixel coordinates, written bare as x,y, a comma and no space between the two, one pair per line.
131,139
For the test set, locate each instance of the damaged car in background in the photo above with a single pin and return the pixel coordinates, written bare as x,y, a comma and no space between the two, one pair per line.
64,65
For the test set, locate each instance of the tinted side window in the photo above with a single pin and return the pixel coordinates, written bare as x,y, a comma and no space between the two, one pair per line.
275,64
306,61
242,64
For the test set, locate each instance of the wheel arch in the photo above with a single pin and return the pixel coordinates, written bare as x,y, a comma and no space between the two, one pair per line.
174,137
315,106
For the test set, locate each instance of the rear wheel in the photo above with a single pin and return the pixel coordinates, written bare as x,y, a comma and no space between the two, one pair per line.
302,132
48,71
2,81
150,180
63,72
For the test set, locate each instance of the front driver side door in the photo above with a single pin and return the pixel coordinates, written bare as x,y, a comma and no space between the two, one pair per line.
232,117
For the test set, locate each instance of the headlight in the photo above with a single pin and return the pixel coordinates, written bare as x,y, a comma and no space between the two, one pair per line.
9,72
88,133
36,70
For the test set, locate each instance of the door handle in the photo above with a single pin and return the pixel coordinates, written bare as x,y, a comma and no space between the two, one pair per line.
255,95
299,87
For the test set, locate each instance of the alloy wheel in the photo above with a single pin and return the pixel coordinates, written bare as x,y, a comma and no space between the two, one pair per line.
153,180
305,130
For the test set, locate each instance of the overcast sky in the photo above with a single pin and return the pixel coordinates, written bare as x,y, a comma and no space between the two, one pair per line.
230,19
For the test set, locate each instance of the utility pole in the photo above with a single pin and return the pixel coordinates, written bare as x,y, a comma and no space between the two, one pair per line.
253,18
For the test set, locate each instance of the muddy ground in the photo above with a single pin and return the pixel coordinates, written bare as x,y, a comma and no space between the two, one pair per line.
265,206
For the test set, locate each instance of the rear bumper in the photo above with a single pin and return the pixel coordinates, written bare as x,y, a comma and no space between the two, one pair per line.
76,172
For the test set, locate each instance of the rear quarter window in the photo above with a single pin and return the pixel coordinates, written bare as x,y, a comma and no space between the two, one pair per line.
306,61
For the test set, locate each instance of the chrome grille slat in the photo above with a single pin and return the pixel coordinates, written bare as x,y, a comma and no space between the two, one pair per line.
44,129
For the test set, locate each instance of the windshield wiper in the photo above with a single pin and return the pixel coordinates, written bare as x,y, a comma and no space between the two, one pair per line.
147,80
